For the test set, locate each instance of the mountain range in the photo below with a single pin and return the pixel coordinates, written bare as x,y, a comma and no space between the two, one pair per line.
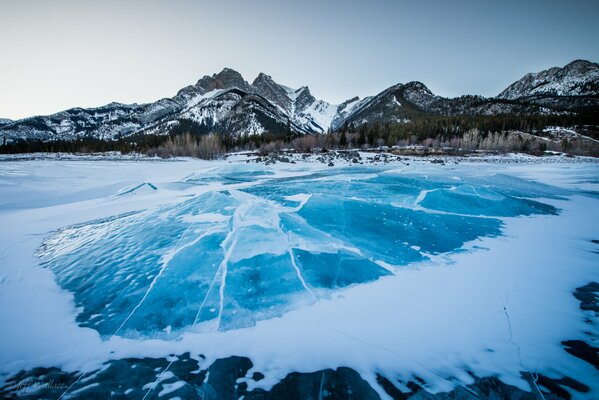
226,102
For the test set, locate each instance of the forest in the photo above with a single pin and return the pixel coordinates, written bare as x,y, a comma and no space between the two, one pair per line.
519,133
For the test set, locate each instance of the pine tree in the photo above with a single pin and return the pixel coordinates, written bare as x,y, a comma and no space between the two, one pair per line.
362,136
342,140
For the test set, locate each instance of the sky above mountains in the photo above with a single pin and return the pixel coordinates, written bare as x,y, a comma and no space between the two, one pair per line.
62,54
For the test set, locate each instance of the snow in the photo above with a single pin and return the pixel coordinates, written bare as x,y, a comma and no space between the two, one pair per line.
480,276
320,113
351,109
315,117
350,106
578,78
558,132
171,387
196,100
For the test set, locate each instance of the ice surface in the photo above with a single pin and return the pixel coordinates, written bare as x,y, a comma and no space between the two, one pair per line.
243,245
228,258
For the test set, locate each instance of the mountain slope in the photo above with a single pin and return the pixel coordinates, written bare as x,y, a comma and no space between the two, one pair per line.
227,103
404,102
579,78
223,102
572,87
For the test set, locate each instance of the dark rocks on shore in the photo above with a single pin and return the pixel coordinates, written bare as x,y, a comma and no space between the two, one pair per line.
227,379
583,350
327,157
587,295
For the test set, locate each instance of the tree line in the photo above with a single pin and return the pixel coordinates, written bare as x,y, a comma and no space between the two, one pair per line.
188,138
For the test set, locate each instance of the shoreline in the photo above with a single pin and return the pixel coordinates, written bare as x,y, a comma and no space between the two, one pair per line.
378,156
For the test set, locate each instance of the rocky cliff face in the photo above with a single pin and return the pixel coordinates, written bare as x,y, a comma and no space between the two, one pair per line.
579,78
575,86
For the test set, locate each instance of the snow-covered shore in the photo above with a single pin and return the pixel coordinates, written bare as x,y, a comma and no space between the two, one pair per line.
345,157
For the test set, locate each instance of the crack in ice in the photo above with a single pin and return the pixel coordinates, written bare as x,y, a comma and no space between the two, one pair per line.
165,262
534,375
223,279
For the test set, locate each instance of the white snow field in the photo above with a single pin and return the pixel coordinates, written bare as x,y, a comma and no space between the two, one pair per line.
407,269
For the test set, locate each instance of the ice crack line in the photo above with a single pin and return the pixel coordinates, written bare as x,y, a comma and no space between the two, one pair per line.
166,261
294,264
165,264
216,275
222,269
320,393
195,321
389,351
511,335
518,351
223,278
299,274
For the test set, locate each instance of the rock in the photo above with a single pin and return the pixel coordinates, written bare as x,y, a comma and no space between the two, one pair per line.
583,350
128,378
587,295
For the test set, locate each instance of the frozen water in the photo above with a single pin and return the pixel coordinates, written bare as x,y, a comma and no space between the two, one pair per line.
230,174
227,258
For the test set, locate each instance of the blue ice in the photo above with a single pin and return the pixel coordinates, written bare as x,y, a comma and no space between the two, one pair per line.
227,259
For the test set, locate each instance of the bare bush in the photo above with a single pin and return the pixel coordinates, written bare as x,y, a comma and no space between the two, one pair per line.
308,142
208,147
271,147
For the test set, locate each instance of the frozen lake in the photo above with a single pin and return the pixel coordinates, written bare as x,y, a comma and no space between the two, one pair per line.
405,269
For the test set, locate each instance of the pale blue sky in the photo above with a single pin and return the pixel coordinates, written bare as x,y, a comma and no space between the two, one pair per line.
61,54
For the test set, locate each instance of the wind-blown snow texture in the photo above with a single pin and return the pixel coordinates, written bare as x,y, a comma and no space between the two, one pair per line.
299,267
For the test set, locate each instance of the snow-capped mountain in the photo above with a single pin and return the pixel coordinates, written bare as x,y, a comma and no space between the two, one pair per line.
303,109
5,121
404,102
223,102
579,78
227,103
572,87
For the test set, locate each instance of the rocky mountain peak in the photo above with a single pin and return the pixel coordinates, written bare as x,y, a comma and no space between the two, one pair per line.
226,79
262,79
578,78
417,87
581,66
266,87
304,98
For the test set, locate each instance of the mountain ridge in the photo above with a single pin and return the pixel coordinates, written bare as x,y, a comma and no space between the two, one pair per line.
226,103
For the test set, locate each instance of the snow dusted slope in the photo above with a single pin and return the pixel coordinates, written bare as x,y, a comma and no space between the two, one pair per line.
223,102
226,103
315,115
579,78
303,110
